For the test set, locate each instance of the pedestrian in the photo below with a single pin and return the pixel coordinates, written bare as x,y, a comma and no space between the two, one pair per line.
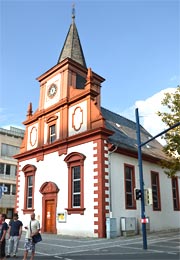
32,229
14,235
3,231
0,225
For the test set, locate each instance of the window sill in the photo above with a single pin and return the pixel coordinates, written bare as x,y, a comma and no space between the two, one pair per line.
75,211
28,211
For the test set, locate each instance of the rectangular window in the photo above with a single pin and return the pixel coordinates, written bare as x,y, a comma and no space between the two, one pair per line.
13,170
52,133
9,150
2,168
155,190
7,189
129,178
13,189
10,213
76,187
8,167
175,193
80,82
75,164
29,191
29,174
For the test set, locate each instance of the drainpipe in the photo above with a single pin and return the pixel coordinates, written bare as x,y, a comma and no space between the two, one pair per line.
110,196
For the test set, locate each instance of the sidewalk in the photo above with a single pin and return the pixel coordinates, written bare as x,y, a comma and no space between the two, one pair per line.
71,237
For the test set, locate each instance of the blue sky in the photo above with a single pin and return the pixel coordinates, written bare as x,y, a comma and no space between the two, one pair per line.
133,44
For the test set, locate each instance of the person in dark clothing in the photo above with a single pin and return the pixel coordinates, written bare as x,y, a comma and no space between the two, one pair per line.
3,231
14,235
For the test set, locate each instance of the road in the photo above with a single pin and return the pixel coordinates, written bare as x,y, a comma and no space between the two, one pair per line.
164,245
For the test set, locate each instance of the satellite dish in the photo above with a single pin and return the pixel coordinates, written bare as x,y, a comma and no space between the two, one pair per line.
0,192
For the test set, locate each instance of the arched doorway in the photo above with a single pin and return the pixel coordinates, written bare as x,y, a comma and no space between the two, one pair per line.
49,191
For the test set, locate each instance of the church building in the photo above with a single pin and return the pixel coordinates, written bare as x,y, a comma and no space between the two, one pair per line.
78,162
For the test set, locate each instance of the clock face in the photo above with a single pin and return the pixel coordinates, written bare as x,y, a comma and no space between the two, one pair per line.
52,91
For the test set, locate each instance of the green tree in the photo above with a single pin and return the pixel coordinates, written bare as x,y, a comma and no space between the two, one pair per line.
172,137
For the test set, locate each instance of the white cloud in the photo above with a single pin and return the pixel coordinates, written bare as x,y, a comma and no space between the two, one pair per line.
148,113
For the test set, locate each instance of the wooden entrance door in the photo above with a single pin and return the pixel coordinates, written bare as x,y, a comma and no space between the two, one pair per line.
49,216
49,190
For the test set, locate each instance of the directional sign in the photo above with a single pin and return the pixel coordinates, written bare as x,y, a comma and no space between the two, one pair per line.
0,192
4,188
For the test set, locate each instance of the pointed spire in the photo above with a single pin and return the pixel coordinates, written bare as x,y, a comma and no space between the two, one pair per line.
29,111
72,45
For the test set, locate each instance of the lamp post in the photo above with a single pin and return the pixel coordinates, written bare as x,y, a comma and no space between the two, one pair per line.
141,180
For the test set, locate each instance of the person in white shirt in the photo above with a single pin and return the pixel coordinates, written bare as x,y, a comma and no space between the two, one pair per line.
32,229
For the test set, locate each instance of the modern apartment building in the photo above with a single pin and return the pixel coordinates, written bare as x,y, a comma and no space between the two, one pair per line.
10,142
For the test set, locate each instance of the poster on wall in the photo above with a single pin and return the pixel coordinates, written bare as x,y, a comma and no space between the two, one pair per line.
61,216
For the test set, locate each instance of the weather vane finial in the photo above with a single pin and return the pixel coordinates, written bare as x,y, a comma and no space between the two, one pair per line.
73,11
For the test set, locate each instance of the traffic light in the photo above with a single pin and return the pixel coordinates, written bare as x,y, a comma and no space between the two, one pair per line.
138,194
148,196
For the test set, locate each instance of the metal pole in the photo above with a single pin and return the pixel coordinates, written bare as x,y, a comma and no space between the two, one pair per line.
163,132
141,181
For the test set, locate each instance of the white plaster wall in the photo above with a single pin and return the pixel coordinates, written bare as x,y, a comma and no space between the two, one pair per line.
54,169
165,219
76,224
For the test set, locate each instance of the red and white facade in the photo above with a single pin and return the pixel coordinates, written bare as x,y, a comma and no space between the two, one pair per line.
70,175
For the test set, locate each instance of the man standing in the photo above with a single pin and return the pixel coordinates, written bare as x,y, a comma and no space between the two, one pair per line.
4,229
32,229
14,233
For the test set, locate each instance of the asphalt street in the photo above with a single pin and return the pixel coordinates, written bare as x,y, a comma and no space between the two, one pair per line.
164,245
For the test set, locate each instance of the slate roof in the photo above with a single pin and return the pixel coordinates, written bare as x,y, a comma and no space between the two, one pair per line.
125,135
72,46
124,129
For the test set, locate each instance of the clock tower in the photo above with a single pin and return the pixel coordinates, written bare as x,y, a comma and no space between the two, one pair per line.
69,101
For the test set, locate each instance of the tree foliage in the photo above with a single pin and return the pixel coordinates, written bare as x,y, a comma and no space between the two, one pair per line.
172,137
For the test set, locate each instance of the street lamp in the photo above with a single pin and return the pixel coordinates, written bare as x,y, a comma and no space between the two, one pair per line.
141,181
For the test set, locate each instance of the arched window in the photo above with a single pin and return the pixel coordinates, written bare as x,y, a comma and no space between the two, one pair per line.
75,163
29,174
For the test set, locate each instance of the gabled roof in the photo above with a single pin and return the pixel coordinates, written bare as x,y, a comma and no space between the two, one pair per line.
125,135
72,46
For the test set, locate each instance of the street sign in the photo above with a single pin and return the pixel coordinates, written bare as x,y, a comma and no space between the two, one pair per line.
145,220
4,188
0,192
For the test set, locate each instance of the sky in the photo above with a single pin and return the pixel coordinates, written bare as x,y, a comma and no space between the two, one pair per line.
133,44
